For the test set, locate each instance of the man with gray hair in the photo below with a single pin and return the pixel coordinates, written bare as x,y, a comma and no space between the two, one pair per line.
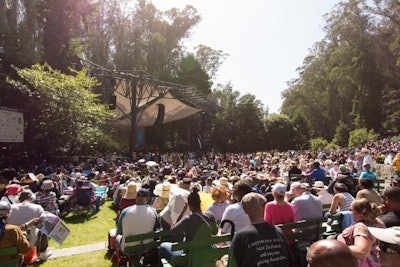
260,243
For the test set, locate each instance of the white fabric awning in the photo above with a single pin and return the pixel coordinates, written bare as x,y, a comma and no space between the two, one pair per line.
148,106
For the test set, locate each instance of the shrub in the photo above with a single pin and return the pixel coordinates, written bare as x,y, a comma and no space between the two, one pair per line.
361,136
318,143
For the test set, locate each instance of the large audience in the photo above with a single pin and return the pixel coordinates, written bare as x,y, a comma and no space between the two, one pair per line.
190,194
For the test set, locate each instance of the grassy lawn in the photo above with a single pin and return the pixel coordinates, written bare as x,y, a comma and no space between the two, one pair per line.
88,230
97,258
85,230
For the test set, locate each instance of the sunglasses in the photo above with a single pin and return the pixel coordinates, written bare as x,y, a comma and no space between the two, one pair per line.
389,248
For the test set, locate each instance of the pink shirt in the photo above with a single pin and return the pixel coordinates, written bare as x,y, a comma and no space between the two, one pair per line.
278,214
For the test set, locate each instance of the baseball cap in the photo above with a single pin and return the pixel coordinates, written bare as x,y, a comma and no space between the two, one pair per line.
279,188
143,192
296,185
389,235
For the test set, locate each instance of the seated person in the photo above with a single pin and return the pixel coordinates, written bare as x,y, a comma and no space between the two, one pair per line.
11,235
197,225
341,200
367,173
137,219
93,198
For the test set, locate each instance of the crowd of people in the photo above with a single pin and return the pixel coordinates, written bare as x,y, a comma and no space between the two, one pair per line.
191,194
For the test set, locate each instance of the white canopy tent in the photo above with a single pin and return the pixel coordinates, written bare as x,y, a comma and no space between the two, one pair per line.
148,105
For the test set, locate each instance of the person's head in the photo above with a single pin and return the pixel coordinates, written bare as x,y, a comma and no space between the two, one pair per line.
194,200
185,183
253,204
340,188
365,183
297,188
142,196
47,185
5,209
25,195
209,181
316,164
278,191
391,198
365,211
330,253
389,248
241,188
219,193
367,167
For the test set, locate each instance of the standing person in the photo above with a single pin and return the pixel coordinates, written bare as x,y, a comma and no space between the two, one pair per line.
367,158
11,235
235,212
330,253
362,244
254,244
389,249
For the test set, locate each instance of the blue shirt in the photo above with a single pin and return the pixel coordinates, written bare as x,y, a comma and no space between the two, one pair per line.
367,175
317,174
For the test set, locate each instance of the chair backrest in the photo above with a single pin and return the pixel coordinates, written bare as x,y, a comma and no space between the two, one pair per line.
311,229
10,251
83,196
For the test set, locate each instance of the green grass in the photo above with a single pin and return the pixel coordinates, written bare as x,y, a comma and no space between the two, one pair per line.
87,230
98,259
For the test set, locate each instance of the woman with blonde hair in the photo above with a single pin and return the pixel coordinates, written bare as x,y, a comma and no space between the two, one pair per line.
396,164
361,242
220,195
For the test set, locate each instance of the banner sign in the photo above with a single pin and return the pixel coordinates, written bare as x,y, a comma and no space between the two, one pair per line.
11,126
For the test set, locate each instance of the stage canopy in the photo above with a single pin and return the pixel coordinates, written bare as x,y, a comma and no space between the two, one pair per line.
156,102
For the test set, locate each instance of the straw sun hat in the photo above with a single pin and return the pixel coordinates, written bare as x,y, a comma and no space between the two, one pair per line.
131,190
162,190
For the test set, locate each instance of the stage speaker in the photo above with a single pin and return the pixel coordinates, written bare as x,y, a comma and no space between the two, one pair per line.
160,114
113,102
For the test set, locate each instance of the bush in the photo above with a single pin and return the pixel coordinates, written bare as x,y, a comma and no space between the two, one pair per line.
318,143
361,136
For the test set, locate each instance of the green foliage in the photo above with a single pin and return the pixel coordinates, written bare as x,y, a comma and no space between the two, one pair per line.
302,131
351,76
361,136
238,125
332,146
395,138
69,116
380,159
279,132
342,134
318,144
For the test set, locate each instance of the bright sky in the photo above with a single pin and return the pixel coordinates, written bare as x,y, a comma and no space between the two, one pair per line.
267,40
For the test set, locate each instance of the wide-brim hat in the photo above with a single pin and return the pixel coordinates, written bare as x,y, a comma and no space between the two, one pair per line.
163,189
131,190
13,189
47,185
223,181
389,235
319,185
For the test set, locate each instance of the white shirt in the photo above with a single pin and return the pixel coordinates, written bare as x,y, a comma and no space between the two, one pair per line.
236,214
